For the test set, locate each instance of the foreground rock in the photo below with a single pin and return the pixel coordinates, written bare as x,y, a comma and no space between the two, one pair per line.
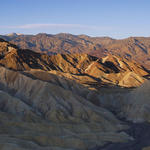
62,118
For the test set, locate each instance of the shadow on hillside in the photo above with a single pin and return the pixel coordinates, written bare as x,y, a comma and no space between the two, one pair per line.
141,134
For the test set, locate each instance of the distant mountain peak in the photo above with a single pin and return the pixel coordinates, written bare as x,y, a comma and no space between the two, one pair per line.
14,34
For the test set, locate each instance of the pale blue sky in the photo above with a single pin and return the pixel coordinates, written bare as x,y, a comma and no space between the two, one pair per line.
114,18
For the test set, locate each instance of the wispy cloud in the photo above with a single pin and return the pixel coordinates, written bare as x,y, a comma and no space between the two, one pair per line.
72,26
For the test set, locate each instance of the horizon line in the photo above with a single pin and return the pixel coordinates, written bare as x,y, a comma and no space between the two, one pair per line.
20,34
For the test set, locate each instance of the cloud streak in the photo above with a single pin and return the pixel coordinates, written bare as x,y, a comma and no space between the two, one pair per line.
49,26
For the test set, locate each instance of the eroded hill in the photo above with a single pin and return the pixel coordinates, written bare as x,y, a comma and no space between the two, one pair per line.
69,101
110,69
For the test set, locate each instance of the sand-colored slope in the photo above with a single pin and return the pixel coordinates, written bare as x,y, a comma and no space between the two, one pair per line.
35,100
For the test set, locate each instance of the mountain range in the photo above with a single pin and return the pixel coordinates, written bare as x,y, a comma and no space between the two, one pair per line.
73,100
136,48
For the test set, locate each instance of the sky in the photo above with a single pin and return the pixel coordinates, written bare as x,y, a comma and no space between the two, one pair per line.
113,18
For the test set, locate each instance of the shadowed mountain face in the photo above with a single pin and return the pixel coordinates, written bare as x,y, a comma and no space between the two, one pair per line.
71,101
137,48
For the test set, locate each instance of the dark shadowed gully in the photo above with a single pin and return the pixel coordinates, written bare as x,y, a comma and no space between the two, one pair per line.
141,134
